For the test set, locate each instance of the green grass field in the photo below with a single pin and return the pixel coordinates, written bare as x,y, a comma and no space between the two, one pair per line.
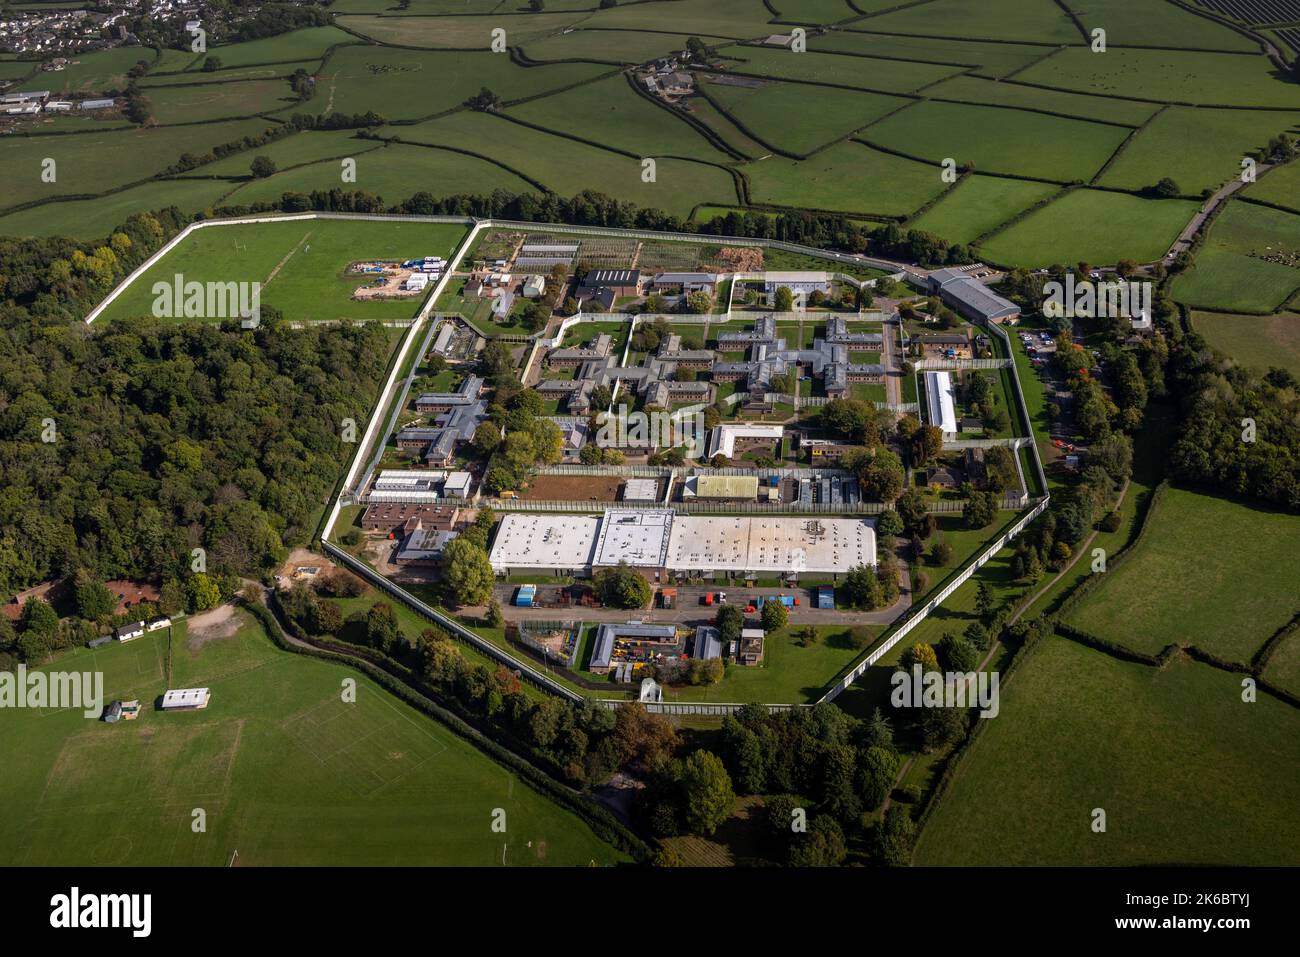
1230,271
96,72
848,177
979,204
889,76
1222,137
1186,773
308,44
1284,667
1280,185
215,101
307,258
776,112
1208,572
1036,21
1259,341
976,89
94,219
568,167
614,115
1000,140
264,71
1091,226
1134,22
394,173
286,772
1173,76
607,46
984,59
91,163
415,84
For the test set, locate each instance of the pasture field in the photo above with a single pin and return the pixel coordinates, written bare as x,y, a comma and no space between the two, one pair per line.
307,44
888,76
1222,138
615,115
978,204
1280,185
96,72
848,177
740,141
286,773
1208,572
568,167
216,101
1162,751
94,219
777,113
980,91
1173,76
308,146
984,59
457,33
299,263
1259,341
1000,140
1091,226
609,46
1230,273
415,84
735,19
265,71
92,163
815,11
1284,667
1155,22
1033,21
394,173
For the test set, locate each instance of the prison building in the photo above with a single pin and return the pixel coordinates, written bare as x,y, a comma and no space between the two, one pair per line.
466,394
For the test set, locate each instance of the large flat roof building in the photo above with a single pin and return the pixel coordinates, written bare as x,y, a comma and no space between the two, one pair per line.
939,403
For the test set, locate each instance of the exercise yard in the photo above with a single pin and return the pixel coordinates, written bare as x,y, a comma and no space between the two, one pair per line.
287,773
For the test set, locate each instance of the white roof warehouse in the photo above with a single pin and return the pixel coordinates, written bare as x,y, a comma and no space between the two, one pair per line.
660,540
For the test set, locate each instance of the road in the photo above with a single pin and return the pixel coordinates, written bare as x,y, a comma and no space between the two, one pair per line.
1185,238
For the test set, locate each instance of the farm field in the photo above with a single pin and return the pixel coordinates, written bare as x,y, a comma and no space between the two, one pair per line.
1227,601
888,76
300,265
1259,341
1223,138
776,114
263,71
993,59
311,43
978,204
95,162
1034,21
1132,22
569,167
999,140
309,146
608,46
1230,271
285,771
1280,185
1162,751
1091,226
614,115
215,101
455,33
1173,76
1284,667
94,219
973,89
394,173
848,177
95,72
415,84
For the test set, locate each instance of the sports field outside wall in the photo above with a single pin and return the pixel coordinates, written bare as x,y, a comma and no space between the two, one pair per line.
284,770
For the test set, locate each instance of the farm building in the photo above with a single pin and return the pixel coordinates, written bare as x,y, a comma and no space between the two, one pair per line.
939,403
129,631
186,699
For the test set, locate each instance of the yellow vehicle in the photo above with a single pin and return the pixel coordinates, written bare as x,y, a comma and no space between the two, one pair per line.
508,495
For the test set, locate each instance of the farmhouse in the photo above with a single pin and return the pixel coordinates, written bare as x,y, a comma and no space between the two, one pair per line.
186,699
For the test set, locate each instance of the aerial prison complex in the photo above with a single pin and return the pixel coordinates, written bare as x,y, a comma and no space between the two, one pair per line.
657,542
